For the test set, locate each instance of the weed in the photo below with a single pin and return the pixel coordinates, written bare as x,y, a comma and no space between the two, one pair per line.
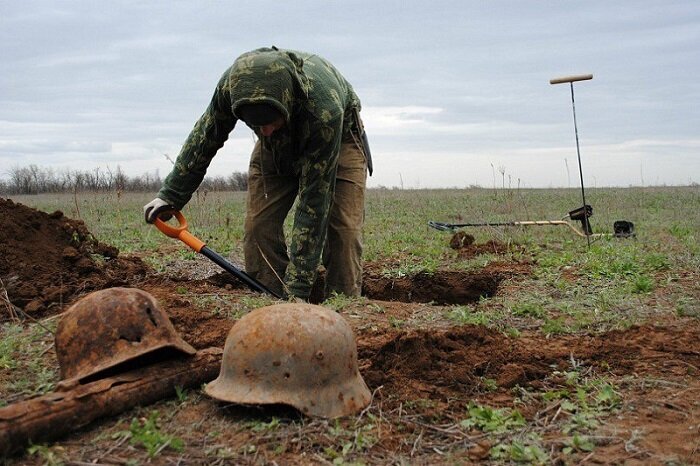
353,441
409,269
146,432
656,261
339,301
555,327
271,425
578,443
551,395
607,397
420,404
642,284
187,254
23,350
528,309
467,316
490,385
493,420
583,421
253,302
680,231
376,308
687,307
181,394
528,450
9,343
231,307
396,323
47,455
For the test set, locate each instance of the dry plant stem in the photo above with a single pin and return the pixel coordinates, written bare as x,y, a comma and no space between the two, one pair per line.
284,285
75,201
12,310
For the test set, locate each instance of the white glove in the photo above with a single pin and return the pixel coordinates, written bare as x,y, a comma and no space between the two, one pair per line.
157,208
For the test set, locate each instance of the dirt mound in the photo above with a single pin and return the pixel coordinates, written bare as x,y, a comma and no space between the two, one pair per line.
46,260
467,248
457,363
461,240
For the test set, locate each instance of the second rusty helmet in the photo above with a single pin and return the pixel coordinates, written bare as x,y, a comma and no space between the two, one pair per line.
300,355
110,327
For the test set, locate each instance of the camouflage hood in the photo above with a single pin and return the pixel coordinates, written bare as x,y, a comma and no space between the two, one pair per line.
271,76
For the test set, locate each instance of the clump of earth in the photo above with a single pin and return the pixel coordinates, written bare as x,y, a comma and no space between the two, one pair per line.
467,248
47,260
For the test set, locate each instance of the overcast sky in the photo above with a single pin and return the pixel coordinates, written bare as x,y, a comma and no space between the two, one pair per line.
454,93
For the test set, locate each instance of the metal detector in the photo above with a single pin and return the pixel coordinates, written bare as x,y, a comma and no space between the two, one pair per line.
621,228
571,80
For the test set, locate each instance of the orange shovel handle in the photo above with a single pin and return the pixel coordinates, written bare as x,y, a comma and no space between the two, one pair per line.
180,232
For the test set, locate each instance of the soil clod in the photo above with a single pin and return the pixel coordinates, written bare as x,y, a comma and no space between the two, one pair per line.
47,260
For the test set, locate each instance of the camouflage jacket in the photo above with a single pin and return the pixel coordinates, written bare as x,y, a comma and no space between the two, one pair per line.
319,107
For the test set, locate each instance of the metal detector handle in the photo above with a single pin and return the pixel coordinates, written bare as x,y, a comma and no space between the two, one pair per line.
571,79
180,232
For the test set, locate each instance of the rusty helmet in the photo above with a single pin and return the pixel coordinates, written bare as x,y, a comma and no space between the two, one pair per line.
300,355
110,327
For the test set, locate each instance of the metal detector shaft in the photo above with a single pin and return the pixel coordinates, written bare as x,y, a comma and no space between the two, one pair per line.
571,80
180,232
452,226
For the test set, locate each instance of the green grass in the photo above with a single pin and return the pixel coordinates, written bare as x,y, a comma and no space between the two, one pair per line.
23,354
571,289
147,433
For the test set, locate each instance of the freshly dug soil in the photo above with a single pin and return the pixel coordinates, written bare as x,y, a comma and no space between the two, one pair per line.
448,364
466,248
47,260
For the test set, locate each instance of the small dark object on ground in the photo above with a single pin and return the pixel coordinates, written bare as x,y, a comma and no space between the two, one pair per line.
624,229
460,240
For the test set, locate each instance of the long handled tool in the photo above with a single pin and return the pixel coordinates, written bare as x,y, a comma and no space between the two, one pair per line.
621,228
180,232
581,214
453,226
571,80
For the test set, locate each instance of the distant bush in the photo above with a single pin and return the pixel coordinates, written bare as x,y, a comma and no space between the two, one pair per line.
33,179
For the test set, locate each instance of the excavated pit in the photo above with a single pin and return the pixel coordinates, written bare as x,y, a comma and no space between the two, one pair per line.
439,288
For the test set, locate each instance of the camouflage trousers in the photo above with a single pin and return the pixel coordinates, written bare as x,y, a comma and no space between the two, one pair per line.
270,198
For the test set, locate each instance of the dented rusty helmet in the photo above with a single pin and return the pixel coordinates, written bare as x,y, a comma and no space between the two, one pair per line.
110,327
300,355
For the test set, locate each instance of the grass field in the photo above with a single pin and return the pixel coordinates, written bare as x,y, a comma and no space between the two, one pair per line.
565,365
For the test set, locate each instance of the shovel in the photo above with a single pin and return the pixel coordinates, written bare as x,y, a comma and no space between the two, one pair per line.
180,232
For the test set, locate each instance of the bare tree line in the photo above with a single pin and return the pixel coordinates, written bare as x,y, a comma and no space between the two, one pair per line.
33,179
